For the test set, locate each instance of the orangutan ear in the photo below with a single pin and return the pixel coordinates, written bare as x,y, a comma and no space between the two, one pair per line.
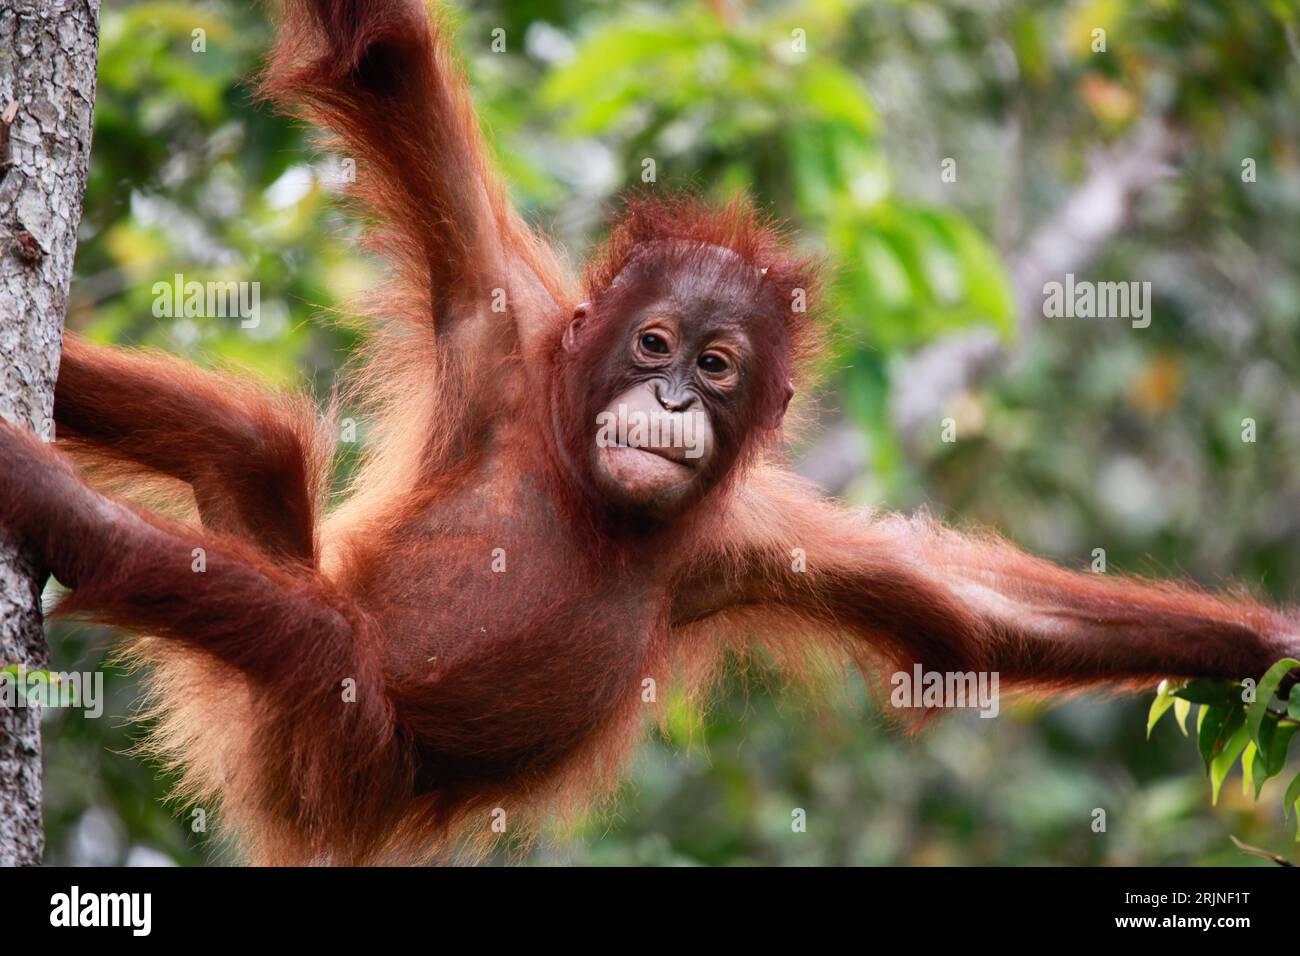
785,404
575,325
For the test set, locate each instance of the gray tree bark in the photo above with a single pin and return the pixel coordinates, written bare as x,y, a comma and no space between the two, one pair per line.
48,56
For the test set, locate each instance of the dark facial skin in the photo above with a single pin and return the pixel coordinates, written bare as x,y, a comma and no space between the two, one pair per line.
680,342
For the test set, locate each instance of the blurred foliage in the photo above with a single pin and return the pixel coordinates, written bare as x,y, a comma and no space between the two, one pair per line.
1095,435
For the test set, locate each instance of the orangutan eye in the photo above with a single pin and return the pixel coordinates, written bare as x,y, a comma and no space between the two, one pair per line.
654,343
713,363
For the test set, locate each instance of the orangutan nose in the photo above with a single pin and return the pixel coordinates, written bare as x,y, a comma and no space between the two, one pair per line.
674,401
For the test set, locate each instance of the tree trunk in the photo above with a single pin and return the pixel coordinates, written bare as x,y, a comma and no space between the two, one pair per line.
48,55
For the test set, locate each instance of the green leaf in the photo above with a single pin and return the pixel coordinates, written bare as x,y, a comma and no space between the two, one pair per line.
1248,769
622,67
1274,739
1291,802
1267,732
1293,705
1276,758
1181,709
988,287
834,93
1164,700
1209,732
1207,691
1264,694
1222,763
1292,796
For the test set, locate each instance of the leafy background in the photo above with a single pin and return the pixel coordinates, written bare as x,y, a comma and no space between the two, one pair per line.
1087,434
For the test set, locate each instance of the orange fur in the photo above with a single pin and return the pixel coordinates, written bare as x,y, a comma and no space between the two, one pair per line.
363,686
